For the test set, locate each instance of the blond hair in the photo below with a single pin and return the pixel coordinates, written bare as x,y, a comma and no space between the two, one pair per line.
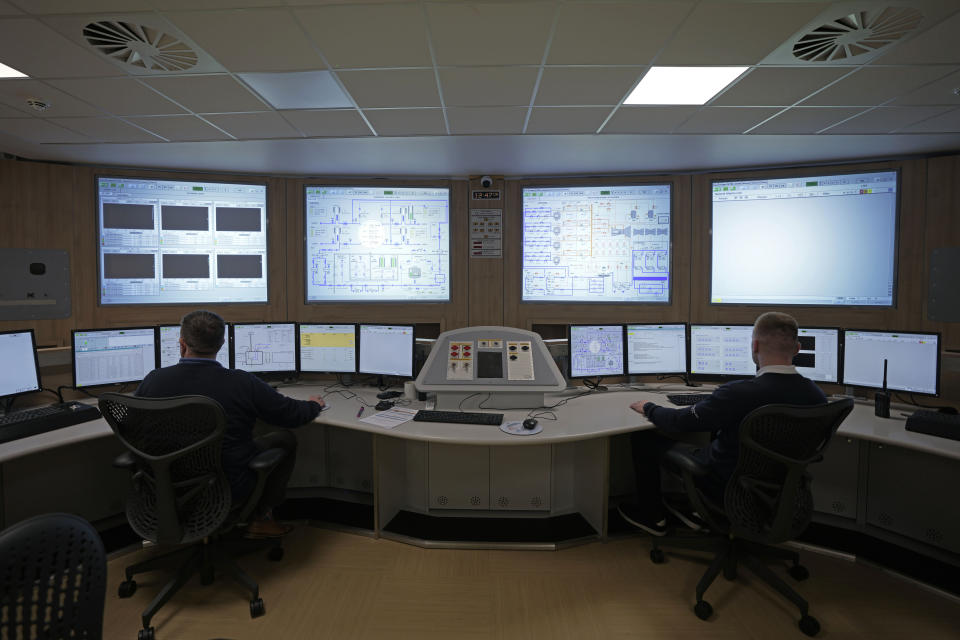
776,332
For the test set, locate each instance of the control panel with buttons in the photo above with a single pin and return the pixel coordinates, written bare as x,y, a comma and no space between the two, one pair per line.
460,364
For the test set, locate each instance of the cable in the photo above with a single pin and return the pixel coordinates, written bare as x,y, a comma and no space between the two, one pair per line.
56,393
460,406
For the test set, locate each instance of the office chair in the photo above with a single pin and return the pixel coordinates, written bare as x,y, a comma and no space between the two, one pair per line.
179,494
53,579
767,500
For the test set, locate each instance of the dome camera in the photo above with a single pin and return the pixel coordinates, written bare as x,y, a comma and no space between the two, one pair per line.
486,182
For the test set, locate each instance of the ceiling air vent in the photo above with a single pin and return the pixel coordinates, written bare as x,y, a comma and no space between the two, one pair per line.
856,34
140,46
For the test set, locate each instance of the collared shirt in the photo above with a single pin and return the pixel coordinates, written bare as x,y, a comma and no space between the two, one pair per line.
204,360
778,368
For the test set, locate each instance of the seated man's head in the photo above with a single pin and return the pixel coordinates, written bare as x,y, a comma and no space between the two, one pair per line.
201,334
774,339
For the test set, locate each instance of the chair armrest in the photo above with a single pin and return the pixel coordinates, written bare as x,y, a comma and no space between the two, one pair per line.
125,461
265,461
685,463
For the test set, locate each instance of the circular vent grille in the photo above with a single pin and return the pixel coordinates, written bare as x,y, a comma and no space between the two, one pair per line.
140,46
856,34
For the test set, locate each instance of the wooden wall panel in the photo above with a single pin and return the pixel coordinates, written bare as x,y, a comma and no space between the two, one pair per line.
942,230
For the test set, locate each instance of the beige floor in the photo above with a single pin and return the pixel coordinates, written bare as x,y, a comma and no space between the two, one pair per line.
342,586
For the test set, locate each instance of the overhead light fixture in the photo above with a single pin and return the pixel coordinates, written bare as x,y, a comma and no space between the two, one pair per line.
682,85
10,72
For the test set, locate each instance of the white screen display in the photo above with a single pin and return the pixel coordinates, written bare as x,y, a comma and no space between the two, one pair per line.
330,348
596,350
597,244
912,360
375,244
820,240
386,349
721,350
18,373
112,356
656,348
170,347
265,348
167,241
819,355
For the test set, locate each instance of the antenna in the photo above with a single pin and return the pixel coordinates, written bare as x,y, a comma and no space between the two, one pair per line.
881,401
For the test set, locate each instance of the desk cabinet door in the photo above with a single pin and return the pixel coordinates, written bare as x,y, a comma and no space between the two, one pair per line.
459,476
520,478
835,479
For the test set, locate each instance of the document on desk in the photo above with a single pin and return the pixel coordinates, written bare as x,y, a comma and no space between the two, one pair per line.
391,418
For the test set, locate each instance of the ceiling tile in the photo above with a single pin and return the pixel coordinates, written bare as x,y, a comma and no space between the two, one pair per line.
7,9
16,91
943,91
106,130
252,126
615,33
562,120
251,39
872,86
329,123
630,119
407,122
178,128
585,86
946,123
725,119
736,32
22,39
216,4
806,120
119,96
45,7
38,131
499,32
207,94
299,90
778,86
886,119
488,120
937,44
392,88
488,86
392,35
10,112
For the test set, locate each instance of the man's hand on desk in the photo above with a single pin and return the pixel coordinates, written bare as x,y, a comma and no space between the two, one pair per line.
318,400
642,407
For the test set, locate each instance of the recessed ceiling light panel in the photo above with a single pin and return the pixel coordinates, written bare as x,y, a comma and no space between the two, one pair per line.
682,85
10,72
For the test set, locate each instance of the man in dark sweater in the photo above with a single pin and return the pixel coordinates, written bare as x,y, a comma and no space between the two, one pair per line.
774,344
244,399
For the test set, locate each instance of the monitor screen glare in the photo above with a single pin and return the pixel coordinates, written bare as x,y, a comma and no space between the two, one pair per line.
721,350
819,356
656,348
386,350
113,356
597,244
328,348
18,373
913,360
596,350
265,348
170,347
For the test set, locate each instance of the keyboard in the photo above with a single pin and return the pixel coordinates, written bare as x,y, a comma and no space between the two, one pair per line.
684,399
30,422
460,417
934,423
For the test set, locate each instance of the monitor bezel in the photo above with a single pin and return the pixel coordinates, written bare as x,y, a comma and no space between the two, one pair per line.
36,363
839,331
686,340
711,376
623,351
356,347
843,362
285,372
786,175
413,348
73,353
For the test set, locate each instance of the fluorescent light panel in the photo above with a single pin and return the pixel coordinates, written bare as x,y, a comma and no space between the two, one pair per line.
682,85
10,72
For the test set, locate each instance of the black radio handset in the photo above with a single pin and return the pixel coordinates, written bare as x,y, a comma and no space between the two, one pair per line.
881,401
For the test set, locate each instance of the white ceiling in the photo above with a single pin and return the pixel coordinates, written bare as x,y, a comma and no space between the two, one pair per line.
456,87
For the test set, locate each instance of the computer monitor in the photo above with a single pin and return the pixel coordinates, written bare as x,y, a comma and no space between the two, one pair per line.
112,356
819,355
168,347
269,347
181,241
721,351
805,240
595,350
659,349
372,244
596,244
913,360
20,371
328,348
386,349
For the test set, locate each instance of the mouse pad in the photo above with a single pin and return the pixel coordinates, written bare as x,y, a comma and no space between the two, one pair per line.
516,429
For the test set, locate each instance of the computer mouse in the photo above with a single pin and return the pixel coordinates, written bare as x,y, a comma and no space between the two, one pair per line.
530,423
383,405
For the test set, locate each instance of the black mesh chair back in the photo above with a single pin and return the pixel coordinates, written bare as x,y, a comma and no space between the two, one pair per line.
53,579
768,498
179,493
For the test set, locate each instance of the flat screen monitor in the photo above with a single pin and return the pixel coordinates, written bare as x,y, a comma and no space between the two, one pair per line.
814,240
373,244
656,349
722,350
913,360
264,347
386,349
168,347
328,348
596,350
112,356
819,355
596,244
20,371
181,242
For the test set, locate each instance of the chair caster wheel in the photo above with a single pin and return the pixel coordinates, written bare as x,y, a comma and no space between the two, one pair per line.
127,588
809,625
146,634
703,609
257,608
656,556
275,554
798,572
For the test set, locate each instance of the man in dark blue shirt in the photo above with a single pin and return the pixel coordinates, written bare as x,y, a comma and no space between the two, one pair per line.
774,344
244,398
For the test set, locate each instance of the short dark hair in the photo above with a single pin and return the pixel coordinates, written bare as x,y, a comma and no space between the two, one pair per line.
776,331
203,332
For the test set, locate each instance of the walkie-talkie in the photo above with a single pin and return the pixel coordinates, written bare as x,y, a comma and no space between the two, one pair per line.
881,401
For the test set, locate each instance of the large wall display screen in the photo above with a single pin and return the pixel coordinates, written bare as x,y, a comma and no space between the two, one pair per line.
596,244
175,242
366,244
818,240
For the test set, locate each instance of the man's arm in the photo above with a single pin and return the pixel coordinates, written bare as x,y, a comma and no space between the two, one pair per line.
703,416
275,408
